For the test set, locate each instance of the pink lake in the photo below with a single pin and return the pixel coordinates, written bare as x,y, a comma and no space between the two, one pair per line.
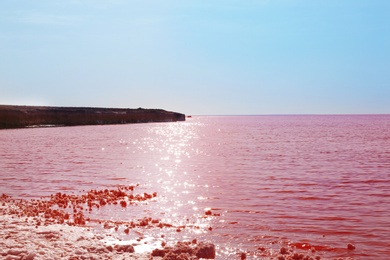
271,180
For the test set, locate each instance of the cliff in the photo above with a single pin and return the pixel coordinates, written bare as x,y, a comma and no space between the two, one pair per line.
29,116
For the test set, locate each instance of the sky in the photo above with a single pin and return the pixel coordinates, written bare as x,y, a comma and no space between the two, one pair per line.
198,57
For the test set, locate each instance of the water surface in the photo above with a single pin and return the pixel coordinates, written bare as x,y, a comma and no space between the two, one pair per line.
273,180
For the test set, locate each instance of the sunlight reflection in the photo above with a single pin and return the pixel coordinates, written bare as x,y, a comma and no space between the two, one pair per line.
165,154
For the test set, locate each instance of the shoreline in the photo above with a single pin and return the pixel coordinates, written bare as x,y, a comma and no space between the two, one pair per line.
58,227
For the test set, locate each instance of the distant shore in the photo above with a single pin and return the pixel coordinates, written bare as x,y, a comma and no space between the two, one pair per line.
40,116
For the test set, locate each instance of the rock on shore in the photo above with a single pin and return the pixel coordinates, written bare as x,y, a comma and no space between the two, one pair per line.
186,250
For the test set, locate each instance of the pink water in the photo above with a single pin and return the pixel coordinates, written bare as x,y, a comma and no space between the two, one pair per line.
323,180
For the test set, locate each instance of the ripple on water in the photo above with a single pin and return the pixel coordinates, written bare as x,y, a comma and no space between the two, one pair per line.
320,180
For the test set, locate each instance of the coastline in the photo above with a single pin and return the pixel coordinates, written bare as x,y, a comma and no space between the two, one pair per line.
56,227
40,116
49,229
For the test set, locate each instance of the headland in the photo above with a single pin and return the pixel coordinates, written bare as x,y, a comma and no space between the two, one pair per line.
12,116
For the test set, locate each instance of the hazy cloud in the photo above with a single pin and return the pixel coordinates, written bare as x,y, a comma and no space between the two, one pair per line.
49,19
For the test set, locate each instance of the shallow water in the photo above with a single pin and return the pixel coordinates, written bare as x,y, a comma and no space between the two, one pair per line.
274,180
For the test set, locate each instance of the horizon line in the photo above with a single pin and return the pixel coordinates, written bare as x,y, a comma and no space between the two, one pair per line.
190,115
297,114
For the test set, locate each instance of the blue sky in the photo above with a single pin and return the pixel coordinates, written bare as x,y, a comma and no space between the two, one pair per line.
198,57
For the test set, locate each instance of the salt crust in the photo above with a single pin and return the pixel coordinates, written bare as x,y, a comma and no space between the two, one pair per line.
34,230
22,239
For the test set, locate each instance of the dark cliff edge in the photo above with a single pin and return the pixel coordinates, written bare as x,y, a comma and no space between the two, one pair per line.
36,116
